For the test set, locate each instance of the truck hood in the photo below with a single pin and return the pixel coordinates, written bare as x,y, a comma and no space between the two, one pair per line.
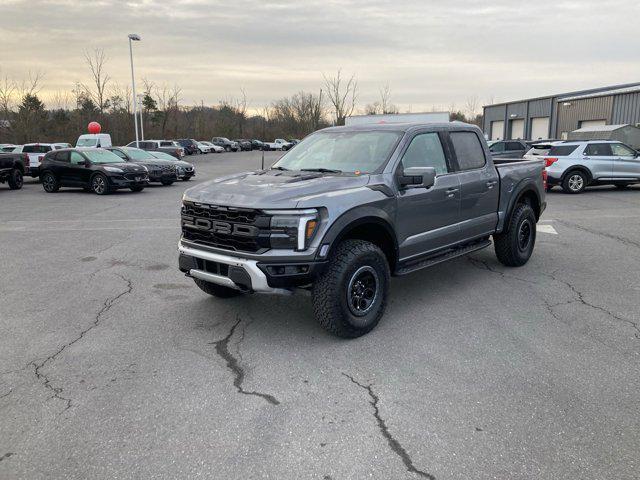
271,189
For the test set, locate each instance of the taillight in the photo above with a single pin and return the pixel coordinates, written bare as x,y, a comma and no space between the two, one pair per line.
548,161
40,158
544,178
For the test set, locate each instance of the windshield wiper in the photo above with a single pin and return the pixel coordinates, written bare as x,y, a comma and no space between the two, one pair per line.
279,168
321,170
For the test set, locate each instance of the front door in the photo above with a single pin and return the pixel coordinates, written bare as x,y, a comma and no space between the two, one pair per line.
427,218
626,163
78,175
480,186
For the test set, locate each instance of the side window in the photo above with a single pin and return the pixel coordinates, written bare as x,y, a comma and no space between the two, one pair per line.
515,146
61,156
469,151
621,150
425,150
598,150
77,159
497,147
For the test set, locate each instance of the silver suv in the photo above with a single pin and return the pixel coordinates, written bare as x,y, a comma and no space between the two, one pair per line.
576,165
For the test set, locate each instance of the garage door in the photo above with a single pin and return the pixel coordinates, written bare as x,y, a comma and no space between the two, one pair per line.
592,123
497,129
539,128
517,129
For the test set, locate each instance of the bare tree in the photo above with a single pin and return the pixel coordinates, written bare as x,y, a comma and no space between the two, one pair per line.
30,85
8,90
100,79
342,95
471,106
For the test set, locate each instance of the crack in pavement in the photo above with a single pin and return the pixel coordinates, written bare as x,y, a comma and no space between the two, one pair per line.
222,349
580,298
484,265
397,448
37,367
623,240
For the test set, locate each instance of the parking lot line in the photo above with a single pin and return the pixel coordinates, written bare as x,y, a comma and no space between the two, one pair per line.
546,229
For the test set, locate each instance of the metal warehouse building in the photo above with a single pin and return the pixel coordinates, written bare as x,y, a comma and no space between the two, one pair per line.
557,115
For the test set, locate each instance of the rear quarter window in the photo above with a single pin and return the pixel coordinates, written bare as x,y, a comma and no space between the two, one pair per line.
562,150
469,151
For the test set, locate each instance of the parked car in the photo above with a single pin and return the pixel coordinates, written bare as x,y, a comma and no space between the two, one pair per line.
95,140
12,168
7,147
166,146
508,148
184,170
36,153
257,144
278,144
93,169
189,144
576,165
540,149
162,171
350,206
244,144
214,148
225,143
203,148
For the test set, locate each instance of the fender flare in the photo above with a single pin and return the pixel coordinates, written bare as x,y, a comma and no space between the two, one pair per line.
523,187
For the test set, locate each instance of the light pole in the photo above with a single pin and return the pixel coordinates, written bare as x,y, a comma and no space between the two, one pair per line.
140,106
134,37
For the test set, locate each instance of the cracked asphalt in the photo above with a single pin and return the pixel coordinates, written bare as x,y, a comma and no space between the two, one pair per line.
114,365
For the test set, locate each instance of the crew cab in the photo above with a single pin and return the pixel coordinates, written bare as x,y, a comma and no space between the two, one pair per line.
36,153
92,169
350,206
576,165
12,169
167,146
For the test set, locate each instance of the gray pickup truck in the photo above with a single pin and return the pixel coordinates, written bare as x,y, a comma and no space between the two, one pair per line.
351,206
12,169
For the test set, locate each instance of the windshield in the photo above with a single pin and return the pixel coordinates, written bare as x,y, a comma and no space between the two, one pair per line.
136,153
362,152
163,156
87,142
102,156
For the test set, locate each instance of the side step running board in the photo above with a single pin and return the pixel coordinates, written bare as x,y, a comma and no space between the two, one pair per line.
451,254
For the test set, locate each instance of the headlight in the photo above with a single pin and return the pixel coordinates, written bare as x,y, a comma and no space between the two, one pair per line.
113,169
292,229
144,168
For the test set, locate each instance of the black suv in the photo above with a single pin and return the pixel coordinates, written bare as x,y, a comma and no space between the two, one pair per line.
257,144
244,144
190,145
163,171
93,169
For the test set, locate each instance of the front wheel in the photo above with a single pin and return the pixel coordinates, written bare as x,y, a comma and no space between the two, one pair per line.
215,290
228,149
137,188
100,184
15,179
574,182
514,246
350,296
166,183
50,182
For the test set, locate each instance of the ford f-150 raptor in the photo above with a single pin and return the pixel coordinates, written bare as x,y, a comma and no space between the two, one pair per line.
351,206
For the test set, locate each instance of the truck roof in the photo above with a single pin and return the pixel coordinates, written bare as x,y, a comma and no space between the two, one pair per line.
402,127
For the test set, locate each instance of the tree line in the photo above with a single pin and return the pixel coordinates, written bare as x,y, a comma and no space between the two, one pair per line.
24,116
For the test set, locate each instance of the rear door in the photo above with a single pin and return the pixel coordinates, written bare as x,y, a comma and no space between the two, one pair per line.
599,158
58,164
427,218
479,184
626,163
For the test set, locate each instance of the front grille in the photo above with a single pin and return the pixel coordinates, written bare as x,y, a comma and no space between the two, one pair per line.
133,176
167,168
237,229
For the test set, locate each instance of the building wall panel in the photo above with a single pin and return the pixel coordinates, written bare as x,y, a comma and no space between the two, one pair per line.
626,109
570,116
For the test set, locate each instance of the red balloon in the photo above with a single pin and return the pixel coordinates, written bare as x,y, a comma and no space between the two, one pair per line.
94,127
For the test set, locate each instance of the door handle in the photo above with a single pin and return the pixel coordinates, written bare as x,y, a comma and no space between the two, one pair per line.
491,183
451,192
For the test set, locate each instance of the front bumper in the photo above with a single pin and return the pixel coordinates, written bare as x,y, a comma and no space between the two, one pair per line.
119,181
245,274
186,174
163,177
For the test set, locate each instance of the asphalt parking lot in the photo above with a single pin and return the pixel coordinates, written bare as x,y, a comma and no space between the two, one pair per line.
114,365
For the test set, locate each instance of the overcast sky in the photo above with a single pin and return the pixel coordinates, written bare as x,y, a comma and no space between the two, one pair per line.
431,52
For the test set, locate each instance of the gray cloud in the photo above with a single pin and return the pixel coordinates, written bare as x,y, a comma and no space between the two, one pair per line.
432,53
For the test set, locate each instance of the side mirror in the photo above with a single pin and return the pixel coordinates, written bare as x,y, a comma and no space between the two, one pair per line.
87,163
416,177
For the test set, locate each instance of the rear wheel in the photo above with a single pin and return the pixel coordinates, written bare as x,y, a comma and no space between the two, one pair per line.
350,297
50,182
514,246
166,183
227,148
100,184
574,182
137,188
219,291
15,179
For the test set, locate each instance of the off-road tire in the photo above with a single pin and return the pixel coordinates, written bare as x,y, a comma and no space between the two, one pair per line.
136,188
50,182
15,179
219,291
100,184
509,245
575,182
331,293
